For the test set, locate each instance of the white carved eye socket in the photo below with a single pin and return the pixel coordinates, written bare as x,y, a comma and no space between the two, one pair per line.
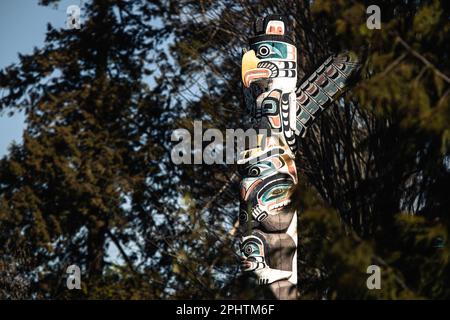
263,51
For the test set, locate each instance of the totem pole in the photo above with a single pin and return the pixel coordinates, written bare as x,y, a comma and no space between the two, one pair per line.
280,114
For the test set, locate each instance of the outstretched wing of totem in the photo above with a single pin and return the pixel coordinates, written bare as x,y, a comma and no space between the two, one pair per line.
280,113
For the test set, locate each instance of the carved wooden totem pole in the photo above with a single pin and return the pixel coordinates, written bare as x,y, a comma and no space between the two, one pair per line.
280,113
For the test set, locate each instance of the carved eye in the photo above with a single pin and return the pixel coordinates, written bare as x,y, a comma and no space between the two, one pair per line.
243,216
263,51
254,172
277,192
248,250
251,248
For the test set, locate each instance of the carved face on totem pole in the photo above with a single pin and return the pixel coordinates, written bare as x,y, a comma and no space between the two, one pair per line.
268,224
283,113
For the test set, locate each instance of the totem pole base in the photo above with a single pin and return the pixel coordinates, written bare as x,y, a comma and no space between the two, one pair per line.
284,290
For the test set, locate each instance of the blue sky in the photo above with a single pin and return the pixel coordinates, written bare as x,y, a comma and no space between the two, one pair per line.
23,24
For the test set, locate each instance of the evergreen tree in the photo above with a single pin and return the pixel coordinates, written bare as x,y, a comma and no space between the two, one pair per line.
91,151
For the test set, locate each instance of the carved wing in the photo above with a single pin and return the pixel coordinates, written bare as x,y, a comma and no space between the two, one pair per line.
323,86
